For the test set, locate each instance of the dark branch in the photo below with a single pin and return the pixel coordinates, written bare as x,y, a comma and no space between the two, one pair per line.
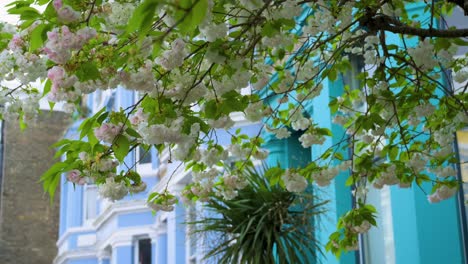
387,23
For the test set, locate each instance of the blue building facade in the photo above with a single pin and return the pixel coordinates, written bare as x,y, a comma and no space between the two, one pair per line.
95,230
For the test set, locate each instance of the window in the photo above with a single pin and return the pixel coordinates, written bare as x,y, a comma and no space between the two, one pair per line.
90,203
142,251
101,98
143,156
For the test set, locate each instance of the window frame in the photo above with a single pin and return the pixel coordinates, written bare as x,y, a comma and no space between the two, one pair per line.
136,248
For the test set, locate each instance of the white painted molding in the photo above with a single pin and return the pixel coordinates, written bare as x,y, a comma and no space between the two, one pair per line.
125,237
75,254
74,230
125,243
146,170
63,247
240,120
160,227
104,254
176,188
86,240
133,206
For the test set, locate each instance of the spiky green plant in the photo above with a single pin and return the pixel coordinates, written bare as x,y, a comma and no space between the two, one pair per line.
265,223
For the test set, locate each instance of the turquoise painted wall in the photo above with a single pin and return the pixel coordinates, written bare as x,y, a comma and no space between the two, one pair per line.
338,194
424,233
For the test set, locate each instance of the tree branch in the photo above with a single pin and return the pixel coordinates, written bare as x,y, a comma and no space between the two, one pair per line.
387,23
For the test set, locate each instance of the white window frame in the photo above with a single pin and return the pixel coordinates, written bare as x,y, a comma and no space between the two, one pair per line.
100,99
136,248
87,220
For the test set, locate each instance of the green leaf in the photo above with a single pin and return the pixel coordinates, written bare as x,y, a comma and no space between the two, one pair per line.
23,125
142,18
460,42
102,117
332,74
47,87
393,153
333,105
87,71
86,126
92,138
211,109
132,132
121,147
273,174
349,181
20,3
38,36
197,11
324,131
18,10
50,179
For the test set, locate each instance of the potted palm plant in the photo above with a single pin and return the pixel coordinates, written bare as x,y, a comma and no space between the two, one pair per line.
264,223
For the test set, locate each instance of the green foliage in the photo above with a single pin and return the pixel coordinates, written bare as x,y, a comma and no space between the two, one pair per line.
121,146
199,64
263,224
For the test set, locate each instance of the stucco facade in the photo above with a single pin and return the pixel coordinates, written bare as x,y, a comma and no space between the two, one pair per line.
409,231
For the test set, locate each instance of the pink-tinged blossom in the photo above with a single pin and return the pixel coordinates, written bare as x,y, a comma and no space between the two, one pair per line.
16,43
65,13
61,85
107,165
138,117
107,132
62,42
57,4
84,35
56,74
76,177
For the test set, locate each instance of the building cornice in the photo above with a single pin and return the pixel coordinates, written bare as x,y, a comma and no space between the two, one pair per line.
74,230
76,254
132,206
125,237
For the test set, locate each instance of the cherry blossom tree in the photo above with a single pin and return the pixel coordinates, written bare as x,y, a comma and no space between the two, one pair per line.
189,60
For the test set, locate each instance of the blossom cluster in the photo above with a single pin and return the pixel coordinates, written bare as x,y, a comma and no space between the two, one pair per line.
62,42
108,131
281,64
65,12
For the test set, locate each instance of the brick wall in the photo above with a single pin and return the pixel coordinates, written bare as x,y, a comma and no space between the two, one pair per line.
28,221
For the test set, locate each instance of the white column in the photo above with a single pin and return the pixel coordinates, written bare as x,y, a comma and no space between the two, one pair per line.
104,257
